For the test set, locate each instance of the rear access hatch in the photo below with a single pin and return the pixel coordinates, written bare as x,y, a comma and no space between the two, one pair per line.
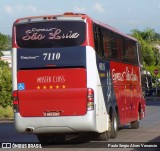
52,92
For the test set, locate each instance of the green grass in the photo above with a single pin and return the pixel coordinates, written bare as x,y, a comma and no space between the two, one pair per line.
6,113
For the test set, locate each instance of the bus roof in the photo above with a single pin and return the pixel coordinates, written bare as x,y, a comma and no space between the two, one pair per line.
75,16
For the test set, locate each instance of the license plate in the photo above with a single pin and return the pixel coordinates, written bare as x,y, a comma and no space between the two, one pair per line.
52,113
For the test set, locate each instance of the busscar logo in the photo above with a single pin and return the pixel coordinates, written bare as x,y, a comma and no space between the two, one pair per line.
29,57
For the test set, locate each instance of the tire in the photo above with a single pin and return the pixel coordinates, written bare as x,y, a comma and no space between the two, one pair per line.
103,136
114,125
135,124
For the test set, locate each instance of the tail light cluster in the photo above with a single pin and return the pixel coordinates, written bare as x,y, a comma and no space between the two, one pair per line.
15,101
90,101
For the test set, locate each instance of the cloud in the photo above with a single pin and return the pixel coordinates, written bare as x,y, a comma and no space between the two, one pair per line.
128,10
32,8
79,9
8,9
21,9
98,7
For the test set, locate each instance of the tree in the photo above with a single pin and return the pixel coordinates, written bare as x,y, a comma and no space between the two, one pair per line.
145,38
157,56
1,54
9,42
5,85
149,40
148,54
3,42
5,75
148,35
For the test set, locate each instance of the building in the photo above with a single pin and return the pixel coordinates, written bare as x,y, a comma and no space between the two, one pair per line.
7,57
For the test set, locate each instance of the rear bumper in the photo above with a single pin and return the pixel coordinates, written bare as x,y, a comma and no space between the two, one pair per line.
64,124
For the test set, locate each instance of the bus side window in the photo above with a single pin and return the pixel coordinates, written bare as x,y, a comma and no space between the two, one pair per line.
130,52
98,40
133,52
106,44
126,51
120,48
139,53
114,54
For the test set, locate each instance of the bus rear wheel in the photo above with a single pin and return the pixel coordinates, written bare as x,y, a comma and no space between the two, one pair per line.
104,136
135,124
114,125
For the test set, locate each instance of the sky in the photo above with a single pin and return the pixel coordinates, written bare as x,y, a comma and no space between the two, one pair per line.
125,15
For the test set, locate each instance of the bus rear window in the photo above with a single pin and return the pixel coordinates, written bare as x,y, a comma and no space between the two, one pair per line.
50,34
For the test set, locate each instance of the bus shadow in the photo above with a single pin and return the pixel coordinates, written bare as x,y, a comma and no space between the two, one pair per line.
75,141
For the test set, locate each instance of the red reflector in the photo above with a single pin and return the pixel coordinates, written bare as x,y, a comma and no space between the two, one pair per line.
90,103
90,100
68,13
15,94
90,95
15,102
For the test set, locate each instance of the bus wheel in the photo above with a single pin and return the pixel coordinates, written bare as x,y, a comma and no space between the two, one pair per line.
114,125
135,124
103,136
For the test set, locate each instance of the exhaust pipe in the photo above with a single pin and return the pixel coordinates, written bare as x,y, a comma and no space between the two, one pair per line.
29,129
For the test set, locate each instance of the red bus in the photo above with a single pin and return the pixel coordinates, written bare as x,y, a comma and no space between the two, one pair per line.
72,74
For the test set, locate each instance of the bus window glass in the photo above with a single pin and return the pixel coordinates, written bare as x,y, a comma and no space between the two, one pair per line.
114,54
133,58
50,34
126,51
120,47
140,60
111,45
98,39
106,44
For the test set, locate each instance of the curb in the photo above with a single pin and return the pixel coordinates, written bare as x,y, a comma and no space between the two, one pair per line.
6,120
152,98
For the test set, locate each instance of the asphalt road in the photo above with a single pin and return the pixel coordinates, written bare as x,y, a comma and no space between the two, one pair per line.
149,132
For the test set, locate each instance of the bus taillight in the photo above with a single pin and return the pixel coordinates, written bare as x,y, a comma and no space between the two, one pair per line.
90,101
15,101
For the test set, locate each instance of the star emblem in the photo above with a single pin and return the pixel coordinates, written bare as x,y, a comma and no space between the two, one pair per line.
57,87
38,87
